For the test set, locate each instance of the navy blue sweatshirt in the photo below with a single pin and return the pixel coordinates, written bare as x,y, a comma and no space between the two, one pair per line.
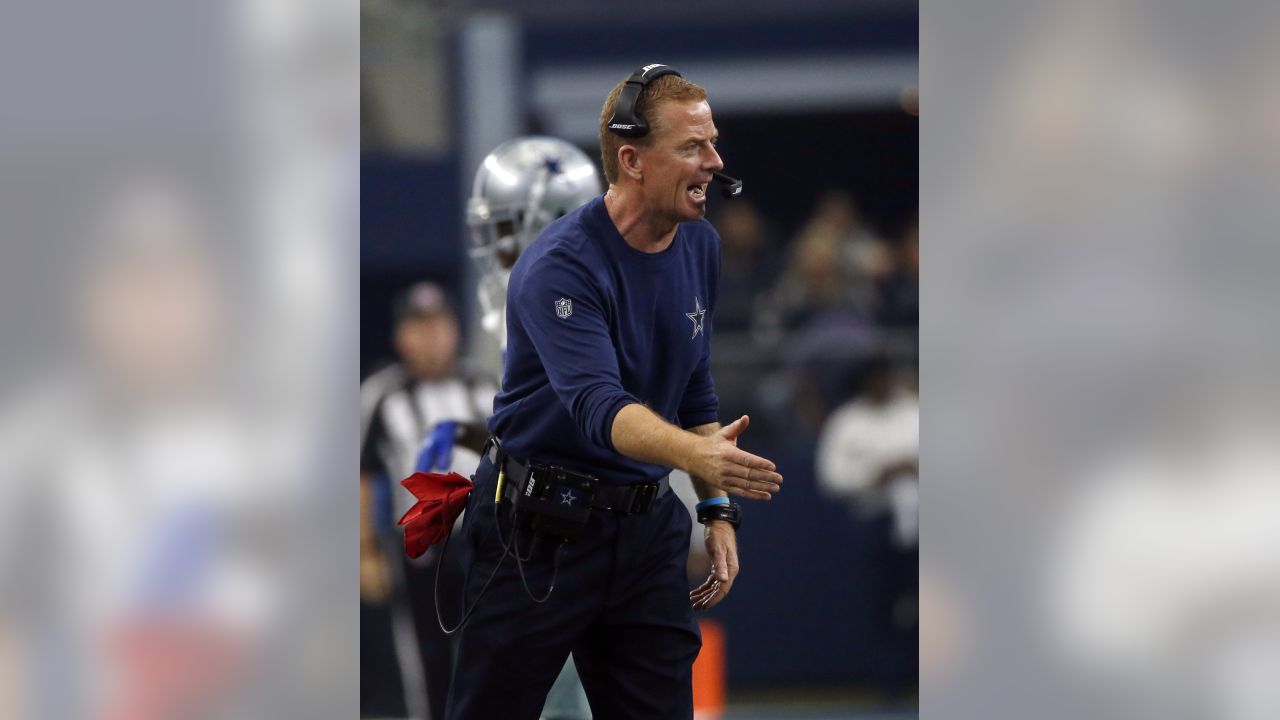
594,324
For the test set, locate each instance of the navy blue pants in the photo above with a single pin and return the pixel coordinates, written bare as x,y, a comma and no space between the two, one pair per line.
620,605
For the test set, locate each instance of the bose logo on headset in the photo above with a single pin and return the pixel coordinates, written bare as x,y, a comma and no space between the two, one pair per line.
625,121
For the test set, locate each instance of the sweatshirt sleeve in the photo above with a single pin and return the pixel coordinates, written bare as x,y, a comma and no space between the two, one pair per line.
565,315
700,404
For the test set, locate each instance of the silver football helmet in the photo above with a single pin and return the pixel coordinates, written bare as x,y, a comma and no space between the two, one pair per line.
521,186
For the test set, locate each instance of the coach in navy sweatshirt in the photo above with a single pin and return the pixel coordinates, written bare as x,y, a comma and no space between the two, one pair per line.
608,374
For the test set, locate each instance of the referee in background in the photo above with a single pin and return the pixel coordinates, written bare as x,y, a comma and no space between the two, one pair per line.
423,394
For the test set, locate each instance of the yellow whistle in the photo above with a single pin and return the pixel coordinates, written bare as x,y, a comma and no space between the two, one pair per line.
502,480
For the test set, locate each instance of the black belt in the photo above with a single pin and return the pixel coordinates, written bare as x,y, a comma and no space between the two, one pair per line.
632,499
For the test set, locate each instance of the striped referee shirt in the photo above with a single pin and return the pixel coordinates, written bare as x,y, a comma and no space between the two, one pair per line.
398,413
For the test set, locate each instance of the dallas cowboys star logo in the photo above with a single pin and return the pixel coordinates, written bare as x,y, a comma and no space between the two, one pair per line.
696,316
568,498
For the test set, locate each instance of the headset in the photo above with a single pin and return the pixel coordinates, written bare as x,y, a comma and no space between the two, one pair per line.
627,123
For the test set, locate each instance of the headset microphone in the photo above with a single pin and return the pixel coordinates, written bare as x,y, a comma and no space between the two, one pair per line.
732,186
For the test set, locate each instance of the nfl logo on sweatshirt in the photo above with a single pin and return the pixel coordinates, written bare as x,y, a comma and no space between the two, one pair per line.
564,307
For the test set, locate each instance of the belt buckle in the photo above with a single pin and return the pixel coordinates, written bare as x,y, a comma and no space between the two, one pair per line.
642,500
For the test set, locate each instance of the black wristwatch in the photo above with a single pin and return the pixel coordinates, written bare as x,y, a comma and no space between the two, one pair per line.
729,512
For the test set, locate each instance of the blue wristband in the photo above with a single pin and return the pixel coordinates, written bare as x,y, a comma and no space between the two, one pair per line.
711,502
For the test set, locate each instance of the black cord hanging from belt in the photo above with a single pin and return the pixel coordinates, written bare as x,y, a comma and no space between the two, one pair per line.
512,543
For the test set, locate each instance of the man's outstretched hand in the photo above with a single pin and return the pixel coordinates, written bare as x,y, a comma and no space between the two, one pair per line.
719,462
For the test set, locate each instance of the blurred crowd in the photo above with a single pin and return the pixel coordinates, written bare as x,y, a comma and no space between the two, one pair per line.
816,336
835,265
809,323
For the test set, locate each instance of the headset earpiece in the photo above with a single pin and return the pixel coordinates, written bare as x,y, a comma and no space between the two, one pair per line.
625,121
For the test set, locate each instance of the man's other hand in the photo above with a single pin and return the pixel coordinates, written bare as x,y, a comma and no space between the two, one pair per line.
722,546
375,577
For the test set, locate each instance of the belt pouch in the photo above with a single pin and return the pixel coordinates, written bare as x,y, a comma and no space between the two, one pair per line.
557,501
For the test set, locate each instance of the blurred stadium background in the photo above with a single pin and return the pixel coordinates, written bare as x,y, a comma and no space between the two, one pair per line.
817,108
178,299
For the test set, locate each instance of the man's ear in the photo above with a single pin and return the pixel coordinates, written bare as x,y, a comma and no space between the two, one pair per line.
629,162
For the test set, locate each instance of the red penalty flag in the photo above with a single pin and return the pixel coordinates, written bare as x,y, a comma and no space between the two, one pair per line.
441,499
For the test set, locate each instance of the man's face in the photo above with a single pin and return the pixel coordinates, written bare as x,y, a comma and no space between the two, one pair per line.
428,345
678,163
